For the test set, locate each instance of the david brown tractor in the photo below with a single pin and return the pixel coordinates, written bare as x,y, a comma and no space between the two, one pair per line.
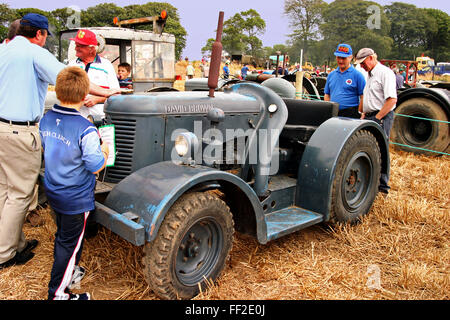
193,167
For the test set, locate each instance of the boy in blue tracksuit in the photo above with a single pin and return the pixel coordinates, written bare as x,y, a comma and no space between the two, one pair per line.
73,155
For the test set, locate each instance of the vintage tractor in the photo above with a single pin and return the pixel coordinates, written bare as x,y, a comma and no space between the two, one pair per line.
193,167
422,118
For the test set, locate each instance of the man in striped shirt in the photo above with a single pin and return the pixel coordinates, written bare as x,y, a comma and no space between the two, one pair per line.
100,71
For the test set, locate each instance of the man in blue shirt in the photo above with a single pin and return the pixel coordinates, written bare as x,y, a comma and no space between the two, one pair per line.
345,85
244,71
26,70
226,70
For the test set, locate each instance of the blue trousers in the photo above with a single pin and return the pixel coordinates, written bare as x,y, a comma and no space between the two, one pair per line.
386,124
67,252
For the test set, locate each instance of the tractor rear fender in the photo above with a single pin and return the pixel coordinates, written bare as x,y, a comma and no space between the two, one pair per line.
151,191
317,167
440,96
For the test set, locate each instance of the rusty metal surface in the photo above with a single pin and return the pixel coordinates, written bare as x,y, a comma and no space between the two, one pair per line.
216,54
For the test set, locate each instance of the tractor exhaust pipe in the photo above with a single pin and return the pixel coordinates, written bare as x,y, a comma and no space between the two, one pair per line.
216,55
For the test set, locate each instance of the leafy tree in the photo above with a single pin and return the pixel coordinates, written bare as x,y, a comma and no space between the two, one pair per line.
61,16
241,33
253,27
283,48
208,46
173,24
103,15
7,15
232,36
346,21
305,17
409,28
438,43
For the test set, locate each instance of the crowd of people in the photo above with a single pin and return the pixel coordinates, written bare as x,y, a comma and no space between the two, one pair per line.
372,99
72,148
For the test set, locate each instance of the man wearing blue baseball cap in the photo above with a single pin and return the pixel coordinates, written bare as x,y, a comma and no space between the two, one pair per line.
35,20
29,69
345,85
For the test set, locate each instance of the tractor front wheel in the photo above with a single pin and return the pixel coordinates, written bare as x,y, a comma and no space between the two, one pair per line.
191,248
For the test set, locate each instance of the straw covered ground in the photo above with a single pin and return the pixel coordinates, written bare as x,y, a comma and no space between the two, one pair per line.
399,251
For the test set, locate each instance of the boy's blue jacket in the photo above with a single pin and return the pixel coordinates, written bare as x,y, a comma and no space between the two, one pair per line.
71,153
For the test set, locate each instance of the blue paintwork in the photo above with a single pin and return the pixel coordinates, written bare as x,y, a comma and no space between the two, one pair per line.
272,122
288,220
154,189
119,224
318,164
153,199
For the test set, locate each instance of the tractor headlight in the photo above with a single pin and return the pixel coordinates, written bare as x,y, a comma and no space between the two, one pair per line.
272,108
181,145
185,144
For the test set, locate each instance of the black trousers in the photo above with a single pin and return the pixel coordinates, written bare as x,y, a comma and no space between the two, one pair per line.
67,252
351,112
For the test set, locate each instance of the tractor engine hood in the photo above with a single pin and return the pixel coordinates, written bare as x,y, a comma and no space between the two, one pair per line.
173,103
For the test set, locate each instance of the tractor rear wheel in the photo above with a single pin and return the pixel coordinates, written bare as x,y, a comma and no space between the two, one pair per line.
191,248
356,179
423,134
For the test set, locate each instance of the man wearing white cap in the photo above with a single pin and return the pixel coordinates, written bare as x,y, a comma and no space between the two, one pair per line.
380,97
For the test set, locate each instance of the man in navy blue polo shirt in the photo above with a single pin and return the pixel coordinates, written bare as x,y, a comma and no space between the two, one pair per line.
345,85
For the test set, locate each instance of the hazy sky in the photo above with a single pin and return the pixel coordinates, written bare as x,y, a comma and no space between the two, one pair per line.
199,17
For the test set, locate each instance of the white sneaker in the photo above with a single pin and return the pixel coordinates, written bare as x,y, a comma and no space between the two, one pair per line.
80,296
77,276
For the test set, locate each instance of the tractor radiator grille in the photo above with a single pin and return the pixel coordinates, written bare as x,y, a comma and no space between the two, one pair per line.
125,130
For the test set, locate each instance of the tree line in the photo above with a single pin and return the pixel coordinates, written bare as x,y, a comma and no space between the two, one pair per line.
101,15
396,31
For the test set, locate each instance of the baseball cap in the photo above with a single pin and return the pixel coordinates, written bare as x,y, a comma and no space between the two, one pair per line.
343,50
35,20
85,37
363,54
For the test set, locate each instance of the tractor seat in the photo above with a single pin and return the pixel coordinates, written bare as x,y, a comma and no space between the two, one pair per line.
310,112
305,116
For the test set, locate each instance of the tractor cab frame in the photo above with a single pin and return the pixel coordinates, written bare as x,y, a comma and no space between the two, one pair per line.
151,54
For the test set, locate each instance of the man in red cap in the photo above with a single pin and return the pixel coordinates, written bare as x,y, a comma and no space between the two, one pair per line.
100,71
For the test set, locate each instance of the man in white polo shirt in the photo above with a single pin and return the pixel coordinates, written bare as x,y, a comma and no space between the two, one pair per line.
380,97
100,71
